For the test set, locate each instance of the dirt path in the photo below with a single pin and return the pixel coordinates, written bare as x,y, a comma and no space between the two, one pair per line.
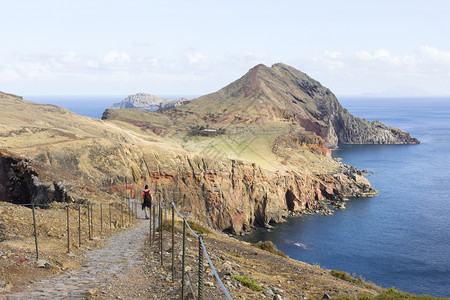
129,267
99,268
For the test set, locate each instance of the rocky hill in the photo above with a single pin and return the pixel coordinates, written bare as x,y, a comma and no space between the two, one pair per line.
264,142
148,101
248,155
283,95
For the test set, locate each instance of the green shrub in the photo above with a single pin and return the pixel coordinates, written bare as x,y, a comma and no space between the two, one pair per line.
198,228
346,277
270,247
167,225
248,282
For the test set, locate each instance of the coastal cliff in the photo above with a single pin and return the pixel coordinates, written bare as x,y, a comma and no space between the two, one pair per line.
249,155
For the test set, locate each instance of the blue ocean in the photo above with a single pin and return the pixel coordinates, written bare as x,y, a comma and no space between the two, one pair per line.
401,237
85,105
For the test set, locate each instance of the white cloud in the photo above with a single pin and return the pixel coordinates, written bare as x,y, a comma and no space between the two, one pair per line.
365,70
382,55
70,58
8,74
424,68
383,59
195,58
329,60
114,57
435,54
34,69
92,64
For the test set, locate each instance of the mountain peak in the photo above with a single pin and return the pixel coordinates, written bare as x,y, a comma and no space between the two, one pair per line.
285,95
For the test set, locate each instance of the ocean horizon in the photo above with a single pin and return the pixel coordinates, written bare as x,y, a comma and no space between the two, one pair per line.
91,106
401,237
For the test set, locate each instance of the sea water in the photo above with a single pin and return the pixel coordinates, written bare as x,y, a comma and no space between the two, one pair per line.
85,105
401,237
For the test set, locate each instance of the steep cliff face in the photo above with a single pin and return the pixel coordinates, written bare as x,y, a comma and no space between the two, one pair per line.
236,195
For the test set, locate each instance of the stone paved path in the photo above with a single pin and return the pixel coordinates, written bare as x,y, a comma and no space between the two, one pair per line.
100,268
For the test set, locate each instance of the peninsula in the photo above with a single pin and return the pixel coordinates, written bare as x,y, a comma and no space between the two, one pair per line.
248,155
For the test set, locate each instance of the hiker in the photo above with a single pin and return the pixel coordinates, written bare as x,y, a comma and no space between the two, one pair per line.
146,200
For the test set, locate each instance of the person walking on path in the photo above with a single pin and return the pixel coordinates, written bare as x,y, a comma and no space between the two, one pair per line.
147,200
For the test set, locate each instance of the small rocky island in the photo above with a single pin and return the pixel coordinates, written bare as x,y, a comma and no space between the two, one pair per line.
150,102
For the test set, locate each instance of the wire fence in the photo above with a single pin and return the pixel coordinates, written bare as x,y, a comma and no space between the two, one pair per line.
159,212
81,226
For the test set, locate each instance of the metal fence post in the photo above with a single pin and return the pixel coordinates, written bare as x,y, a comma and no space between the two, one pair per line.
101,217
183,258
200,268
121,212
79,225
173,243
89,221
129,211
161,231
110,222
135,210
150,224
92,220
68,229
35,233
154,220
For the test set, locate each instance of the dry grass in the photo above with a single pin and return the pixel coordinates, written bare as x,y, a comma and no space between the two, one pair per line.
17,260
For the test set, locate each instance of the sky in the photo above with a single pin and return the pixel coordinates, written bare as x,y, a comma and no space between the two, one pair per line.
194,47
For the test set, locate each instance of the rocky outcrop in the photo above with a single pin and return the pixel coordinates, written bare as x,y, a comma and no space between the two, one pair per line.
20,184
236,196
148,101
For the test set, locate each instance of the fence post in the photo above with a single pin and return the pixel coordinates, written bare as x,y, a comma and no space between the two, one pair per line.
154,220
173,243
129,210
183,258
35,233
121,212
200,268
89,221
79,225
110,222
92,220
68,229
161,231
150,224
101,217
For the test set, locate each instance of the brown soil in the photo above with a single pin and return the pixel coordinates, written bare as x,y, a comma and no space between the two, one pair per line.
17,242
286,277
